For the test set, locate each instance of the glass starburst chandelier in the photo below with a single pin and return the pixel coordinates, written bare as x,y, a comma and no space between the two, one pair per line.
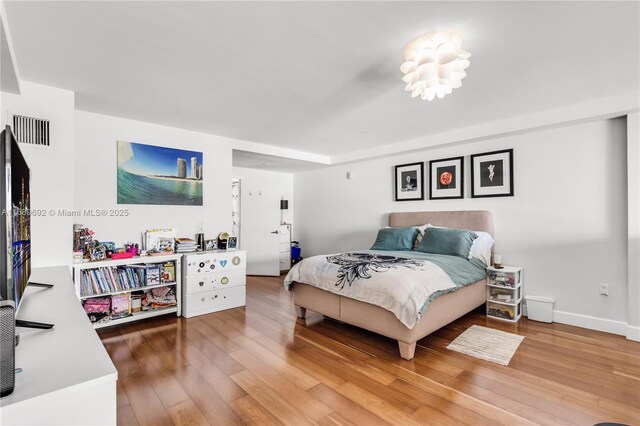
435,65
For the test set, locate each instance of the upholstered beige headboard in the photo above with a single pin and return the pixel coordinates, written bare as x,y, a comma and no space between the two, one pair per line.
474,220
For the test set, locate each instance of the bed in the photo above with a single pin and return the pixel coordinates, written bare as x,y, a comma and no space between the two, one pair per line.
442,310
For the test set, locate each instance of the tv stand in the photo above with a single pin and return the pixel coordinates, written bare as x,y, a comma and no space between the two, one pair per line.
33,324
34,284
67,376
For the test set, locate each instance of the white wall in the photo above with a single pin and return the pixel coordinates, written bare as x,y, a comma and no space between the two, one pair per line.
566,224
51,169
95,186
633,190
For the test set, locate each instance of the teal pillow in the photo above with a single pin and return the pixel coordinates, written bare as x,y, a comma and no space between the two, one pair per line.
395,239
452,242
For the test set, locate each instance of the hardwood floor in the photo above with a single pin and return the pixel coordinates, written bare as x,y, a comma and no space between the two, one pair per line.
260,365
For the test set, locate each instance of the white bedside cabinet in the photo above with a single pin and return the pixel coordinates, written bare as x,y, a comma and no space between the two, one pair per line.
504,293
213,281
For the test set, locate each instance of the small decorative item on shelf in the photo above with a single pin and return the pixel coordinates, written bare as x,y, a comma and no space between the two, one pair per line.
122,255
497,261
98,253
211,244
165,245
168,272
200,237
222,240
120,306
136,303
232,243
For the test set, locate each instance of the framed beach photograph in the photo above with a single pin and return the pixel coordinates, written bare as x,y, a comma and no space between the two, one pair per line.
409,182
492,174
149,174
446,178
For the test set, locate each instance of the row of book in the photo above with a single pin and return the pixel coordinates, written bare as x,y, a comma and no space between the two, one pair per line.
121,278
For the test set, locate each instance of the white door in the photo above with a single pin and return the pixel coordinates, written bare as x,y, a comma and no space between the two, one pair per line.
260,227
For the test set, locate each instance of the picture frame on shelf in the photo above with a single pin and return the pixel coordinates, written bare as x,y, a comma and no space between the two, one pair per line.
492,174
409,182
232,243
446,178
98,253
210,244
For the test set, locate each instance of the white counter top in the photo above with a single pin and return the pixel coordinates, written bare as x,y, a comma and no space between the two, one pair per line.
68,359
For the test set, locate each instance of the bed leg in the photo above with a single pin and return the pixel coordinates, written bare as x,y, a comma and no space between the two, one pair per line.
407,350
301,312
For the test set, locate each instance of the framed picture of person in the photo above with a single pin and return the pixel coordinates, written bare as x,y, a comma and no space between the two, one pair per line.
409,182
446,178
492,174
232,243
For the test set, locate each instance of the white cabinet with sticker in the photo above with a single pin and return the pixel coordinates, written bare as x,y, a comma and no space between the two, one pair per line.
213,281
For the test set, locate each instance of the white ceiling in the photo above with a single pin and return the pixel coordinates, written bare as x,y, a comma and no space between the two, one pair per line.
322,77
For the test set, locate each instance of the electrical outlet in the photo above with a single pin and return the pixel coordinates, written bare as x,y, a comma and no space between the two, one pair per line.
604,289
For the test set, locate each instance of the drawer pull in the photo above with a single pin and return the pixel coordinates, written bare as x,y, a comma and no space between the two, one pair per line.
202,300
201,283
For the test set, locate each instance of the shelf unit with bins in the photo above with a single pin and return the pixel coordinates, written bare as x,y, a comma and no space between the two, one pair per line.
504,293
78,268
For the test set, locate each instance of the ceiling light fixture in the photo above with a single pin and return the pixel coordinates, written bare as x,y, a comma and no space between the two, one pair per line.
435,65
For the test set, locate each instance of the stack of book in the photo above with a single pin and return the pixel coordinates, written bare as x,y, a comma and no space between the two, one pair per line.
186,245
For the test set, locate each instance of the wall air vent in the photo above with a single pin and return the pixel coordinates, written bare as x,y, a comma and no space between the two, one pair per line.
31,131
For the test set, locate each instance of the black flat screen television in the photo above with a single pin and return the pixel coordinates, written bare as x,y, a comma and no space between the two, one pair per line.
15,230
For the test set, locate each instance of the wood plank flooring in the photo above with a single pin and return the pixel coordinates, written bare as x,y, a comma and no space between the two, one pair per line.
259,365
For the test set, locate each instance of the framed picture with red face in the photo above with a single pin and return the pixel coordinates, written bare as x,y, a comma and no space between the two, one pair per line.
446,178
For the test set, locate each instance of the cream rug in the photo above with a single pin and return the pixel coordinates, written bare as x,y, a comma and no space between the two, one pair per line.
486,343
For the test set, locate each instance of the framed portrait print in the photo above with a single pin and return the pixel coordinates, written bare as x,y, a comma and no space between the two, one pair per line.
446,178
492,174
232,243
409,182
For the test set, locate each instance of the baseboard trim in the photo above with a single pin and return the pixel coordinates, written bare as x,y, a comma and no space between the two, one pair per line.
592,323
633,333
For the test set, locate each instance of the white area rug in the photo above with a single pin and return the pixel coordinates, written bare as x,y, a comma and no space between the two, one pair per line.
488,344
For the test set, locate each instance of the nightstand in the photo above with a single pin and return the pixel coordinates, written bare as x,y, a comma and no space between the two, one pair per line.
504,293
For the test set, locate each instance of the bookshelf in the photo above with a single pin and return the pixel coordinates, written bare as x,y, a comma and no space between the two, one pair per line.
122,284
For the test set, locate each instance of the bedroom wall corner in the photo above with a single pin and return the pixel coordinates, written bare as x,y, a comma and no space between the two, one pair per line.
633,190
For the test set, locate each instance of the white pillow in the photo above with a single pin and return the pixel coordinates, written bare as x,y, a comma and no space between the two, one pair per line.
480,249
421,230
